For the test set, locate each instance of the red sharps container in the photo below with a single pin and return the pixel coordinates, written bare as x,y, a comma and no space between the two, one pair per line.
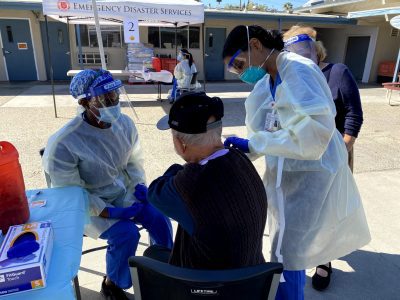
14,208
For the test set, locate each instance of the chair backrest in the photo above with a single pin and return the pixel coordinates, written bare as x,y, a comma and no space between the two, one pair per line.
47,176
194,78
156,280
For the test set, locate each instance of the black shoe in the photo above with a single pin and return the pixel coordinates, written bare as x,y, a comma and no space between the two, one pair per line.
319,282
112,292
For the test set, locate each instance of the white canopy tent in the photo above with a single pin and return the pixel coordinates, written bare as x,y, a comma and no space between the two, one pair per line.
163,13
148,12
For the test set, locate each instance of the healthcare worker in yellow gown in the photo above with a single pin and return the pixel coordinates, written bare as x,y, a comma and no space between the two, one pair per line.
314,208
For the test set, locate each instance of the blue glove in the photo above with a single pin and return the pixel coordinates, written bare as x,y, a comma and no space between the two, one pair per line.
141,192
238,143
24,245
125,212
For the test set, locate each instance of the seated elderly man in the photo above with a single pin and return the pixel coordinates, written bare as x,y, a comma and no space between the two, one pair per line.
217,197
99,150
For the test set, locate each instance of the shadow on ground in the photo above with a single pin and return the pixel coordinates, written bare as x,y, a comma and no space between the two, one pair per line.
376,275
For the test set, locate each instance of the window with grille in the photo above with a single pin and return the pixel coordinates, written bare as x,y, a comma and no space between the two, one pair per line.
91,58
394,32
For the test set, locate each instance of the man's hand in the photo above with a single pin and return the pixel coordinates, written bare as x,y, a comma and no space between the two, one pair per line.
349,141
238,143
141,192
125,213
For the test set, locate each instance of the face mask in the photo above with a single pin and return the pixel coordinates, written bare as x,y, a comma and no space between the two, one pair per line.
109,114
180,57
253,74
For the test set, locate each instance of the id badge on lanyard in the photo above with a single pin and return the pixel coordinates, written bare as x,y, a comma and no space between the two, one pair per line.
272,122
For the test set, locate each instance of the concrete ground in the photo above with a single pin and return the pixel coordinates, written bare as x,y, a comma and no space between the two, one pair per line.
27,120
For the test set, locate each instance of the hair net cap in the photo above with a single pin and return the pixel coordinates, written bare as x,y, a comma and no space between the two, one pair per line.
82,81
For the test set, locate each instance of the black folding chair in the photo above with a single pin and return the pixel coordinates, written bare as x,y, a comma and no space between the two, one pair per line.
153,279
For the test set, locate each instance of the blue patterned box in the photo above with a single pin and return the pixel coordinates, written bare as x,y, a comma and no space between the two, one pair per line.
29,272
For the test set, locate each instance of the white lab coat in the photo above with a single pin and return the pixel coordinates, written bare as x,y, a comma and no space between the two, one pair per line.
315,212
183,73
108,163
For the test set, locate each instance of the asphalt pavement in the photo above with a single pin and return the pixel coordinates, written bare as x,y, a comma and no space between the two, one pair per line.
27,119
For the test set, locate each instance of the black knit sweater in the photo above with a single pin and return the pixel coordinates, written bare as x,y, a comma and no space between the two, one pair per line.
227,201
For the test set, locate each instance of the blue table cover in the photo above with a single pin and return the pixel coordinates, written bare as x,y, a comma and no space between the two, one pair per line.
67,209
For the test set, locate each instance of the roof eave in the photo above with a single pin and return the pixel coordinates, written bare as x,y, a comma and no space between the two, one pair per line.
319,6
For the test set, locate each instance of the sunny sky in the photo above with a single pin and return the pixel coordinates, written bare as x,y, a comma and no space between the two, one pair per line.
277,4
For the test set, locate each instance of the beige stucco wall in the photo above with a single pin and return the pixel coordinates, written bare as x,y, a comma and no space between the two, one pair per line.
382,46
335,41
334,36
387,49
117,56
36,40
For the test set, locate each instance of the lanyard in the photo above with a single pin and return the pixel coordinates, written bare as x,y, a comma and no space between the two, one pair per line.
273,87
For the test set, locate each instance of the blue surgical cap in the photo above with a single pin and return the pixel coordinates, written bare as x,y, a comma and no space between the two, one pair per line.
82,81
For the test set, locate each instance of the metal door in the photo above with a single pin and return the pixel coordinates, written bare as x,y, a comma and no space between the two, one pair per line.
59,47
214,41
18,49
356,55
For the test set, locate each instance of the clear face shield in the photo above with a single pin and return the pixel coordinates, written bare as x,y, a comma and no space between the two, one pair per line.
303,45
107,96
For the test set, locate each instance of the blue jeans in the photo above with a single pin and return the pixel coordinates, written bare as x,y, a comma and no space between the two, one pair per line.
123,238
175,93
293,288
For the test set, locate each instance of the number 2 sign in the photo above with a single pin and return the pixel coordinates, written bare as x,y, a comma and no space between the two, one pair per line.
131,31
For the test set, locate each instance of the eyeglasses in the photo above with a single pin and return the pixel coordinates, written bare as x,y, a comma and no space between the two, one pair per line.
109,99
237,63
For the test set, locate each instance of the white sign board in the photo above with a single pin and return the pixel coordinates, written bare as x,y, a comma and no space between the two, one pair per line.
131,31
182,12
395,22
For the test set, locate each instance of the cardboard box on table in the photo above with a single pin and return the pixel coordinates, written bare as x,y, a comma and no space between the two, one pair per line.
29,272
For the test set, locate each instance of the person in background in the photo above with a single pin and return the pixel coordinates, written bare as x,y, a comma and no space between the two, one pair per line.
349,114
315,211
183,73
217,197
99,150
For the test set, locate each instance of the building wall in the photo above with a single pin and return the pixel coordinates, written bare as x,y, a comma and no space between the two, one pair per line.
36,40
117,56
382,46
386,50
335,41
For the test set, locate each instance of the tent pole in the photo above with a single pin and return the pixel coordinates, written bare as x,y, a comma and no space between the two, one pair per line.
204,55
176,43
98,32
78,33
51,66
68,33
396,68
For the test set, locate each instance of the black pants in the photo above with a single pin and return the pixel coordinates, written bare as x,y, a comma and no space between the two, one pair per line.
158,252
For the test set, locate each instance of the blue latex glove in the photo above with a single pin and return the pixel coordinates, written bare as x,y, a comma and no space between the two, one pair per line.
24,245
141,192
238,143
125,212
